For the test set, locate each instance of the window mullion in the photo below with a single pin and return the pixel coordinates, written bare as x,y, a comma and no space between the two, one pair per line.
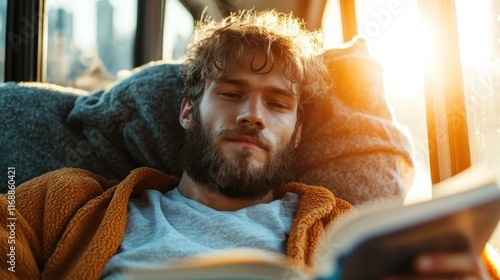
25,42
348,14
149,32
449,149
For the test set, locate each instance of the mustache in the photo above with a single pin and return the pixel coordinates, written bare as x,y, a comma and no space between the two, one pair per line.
246,131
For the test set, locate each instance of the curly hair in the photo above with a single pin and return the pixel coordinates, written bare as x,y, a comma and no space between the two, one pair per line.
280,36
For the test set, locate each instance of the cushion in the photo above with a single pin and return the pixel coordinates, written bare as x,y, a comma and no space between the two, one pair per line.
35,136
136,121
350,143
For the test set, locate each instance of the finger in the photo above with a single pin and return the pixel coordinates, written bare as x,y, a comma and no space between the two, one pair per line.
446,263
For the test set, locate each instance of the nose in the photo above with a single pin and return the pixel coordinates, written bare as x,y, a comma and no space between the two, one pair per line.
252,113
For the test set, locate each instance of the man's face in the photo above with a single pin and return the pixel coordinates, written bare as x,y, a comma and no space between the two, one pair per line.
242,138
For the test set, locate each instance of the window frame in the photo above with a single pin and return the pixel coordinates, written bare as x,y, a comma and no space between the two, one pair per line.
349,20
148,44
449,147
25,41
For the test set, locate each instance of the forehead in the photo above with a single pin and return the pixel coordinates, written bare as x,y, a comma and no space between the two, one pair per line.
257,69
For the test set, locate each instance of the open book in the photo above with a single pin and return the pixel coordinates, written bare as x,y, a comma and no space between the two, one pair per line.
462,215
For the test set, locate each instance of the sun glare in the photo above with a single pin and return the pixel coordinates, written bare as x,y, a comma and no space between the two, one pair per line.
475,29
391,29
393,35
400,40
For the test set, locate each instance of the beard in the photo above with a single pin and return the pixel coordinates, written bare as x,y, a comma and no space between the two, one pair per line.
235,177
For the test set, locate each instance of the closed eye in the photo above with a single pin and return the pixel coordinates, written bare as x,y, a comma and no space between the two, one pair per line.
279,106
230,94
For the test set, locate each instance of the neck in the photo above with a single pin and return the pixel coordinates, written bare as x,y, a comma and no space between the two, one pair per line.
216,200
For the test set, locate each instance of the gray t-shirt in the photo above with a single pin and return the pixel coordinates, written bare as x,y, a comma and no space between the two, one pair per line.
167,227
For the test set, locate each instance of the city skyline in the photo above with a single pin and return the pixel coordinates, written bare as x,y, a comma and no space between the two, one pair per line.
85,19
67,59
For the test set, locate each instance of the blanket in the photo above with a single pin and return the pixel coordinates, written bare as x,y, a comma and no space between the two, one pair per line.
68,223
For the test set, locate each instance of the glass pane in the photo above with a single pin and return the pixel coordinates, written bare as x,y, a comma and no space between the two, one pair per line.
179,26
479,36
332,25
3,33
391,29
89,41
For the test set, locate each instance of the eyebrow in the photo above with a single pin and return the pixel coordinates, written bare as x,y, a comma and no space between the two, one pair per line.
245,83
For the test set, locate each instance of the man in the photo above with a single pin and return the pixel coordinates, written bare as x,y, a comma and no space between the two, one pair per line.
246,78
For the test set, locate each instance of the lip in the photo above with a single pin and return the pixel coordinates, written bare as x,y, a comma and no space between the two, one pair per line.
246,141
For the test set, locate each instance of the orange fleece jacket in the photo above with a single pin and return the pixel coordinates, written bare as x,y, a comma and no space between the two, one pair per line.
68,223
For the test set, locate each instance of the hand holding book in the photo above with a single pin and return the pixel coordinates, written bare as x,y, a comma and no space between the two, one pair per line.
459,264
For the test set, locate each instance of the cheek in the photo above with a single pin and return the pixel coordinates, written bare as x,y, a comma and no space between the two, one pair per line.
213,122
216,120
207,116
283,128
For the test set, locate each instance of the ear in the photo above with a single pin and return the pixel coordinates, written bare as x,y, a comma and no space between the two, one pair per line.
186,115
298,135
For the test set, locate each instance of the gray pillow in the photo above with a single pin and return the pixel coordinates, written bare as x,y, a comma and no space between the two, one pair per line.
135,122
35,137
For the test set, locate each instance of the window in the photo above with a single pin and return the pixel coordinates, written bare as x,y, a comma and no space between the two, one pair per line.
479,42
89,42
479,36
332,25
391,29
3,28
179,26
